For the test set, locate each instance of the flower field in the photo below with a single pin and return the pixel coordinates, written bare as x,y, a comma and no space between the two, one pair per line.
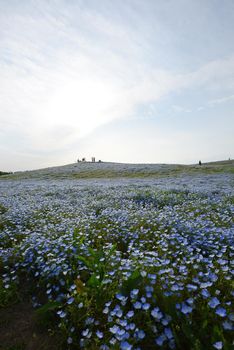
123,264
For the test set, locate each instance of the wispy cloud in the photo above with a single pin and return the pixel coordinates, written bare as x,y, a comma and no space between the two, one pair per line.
221,100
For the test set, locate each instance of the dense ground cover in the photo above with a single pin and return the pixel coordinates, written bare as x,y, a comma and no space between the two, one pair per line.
130,264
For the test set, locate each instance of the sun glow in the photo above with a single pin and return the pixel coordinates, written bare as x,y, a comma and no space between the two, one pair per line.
82,105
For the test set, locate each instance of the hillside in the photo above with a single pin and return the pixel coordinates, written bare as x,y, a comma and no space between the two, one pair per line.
88,170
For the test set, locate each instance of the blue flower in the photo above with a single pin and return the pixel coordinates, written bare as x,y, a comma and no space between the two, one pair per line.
214,302
120,334
99,334
137,305
124,345
146,306
160,340
120,296
130,314
168,333
69,340
185,309
104,347
190,301
205,285
191,287
228,326
175,287
85,332
132,326
140,334
134,293
221,311
156,313
89,320
205,293
218,345
70,300
61,313
105,310
119,313
114,329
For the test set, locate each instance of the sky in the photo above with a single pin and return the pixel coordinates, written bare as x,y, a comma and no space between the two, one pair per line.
128,81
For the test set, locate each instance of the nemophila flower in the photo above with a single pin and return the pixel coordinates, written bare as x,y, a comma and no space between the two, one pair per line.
140,334
168,333
132,326
222,261
205,293
134,293
175,287
214,302
130,314
120,334
61,313
105,310
89,320
69,340
124,345
190,301
113,341
82,342
221,311
120,296
99,334
137,305
228,326
172,344
156,313
114,329
160,340
165,321
191,287
149,289
119,313
185,309
110,319
218,345
145,306
122,323
70,301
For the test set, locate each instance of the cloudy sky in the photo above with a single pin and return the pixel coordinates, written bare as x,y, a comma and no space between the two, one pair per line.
122,80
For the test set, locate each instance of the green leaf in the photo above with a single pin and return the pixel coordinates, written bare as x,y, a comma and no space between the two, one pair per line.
50,306
131,283
93,281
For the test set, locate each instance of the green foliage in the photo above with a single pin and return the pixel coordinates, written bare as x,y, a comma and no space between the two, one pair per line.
134,281
8,295
46,313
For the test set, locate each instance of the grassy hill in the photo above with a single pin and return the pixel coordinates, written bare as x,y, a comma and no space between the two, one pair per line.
88,170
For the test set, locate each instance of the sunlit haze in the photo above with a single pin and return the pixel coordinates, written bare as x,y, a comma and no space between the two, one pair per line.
125,81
